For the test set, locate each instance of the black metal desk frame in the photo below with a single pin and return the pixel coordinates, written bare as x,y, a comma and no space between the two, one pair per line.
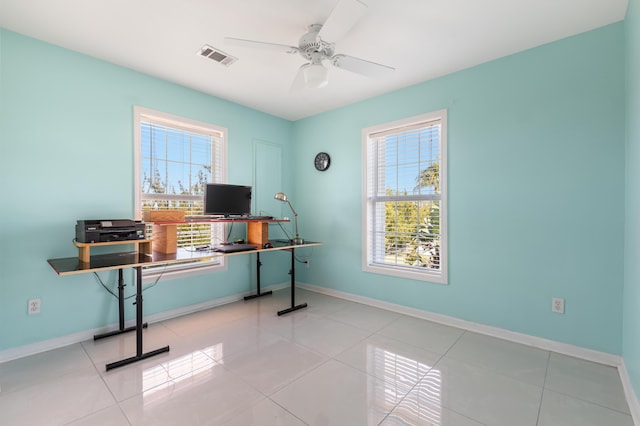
138,327
258,292
121,328
135,260
292,272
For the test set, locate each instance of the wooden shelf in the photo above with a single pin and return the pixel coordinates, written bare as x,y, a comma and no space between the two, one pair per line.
84,249
217,220
165,232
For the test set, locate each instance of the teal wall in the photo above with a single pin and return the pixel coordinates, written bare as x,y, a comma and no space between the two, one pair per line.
631,323
536,191
66,141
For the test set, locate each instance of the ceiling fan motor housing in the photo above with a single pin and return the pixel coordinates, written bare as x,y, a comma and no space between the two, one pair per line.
311,45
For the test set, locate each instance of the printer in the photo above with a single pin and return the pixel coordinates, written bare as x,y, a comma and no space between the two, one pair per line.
104,231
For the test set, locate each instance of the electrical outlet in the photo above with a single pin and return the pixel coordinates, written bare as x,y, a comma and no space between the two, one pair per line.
306,263
33,307
557,305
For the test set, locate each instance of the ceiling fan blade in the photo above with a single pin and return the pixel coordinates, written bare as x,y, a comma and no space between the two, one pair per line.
261,45
360,66
298,84
342,18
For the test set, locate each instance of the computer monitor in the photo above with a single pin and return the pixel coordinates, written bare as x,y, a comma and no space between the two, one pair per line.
227,200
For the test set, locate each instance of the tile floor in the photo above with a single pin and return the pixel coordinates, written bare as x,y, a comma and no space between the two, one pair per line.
334,363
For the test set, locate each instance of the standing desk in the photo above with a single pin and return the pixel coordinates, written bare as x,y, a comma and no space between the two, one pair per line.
142,258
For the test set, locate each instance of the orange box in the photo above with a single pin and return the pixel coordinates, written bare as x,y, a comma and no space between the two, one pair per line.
163,215
165,238
257,232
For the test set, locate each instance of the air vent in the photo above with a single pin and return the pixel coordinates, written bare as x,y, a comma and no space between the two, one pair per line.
216,55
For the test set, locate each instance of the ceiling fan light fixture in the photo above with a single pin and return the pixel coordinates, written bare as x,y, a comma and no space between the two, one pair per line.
315,76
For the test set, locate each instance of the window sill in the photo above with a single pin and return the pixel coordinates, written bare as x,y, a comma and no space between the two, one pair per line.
400,272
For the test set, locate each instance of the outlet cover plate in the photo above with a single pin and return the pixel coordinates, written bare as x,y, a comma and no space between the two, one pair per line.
33,306
557,305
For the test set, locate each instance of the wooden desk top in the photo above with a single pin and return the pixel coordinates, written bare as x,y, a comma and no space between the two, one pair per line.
188,221
105,262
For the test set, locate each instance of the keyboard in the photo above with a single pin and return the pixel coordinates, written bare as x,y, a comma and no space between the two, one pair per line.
197,217
233,248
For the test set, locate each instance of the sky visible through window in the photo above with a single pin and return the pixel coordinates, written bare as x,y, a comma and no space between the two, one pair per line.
173,160
407,155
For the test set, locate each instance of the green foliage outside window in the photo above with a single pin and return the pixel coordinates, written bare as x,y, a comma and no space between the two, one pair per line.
412,228
197,234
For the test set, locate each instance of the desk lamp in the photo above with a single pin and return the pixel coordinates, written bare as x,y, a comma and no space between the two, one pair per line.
281,197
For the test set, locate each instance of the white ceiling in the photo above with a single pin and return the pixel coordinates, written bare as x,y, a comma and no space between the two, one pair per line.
422,39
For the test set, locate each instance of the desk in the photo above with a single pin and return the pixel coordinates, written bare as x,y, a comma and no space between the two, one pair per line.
165,232
138,260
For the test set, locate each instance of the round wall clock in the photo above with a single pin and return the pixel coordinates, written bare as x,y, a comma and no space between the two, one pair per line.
322,161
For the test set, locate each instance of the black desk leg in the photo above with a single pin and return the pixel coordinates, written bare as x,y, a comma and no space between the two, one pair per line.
258,293
139,354
121,329
293,288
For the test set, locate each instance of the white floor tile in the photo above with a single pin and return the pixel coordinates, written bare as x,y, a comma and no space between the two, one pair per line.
285,325
327,336
424,334
125,382
274,365
32,370
415,409
386,358
481,394
559,409
233,338
511,359
211,318
589,381
365,317
264,413
325,305
336,394
110,416
56,401
134,379
201,398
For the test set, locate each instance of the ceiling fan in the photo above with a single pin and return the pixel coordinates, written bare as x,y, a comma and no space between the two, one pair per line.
317,45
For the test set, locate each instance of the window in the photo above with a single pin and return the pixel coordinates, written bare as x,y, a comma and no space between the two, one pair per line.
404,224
174,160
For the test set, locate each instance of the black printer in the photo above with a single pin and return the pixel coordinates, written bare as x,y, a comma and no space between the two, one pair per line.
104,231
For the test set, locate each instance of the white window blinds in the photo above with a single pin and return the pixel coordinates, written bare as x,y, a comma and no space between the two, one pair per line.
405,198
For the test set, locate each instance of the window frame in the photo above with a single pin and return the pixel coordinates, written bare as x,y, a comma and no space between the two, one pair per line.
141,114
368,203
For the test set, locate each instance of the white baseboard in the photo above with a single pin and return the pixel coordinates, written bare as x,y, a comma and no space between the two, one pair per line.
47,345
70,339
537,342
632,398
